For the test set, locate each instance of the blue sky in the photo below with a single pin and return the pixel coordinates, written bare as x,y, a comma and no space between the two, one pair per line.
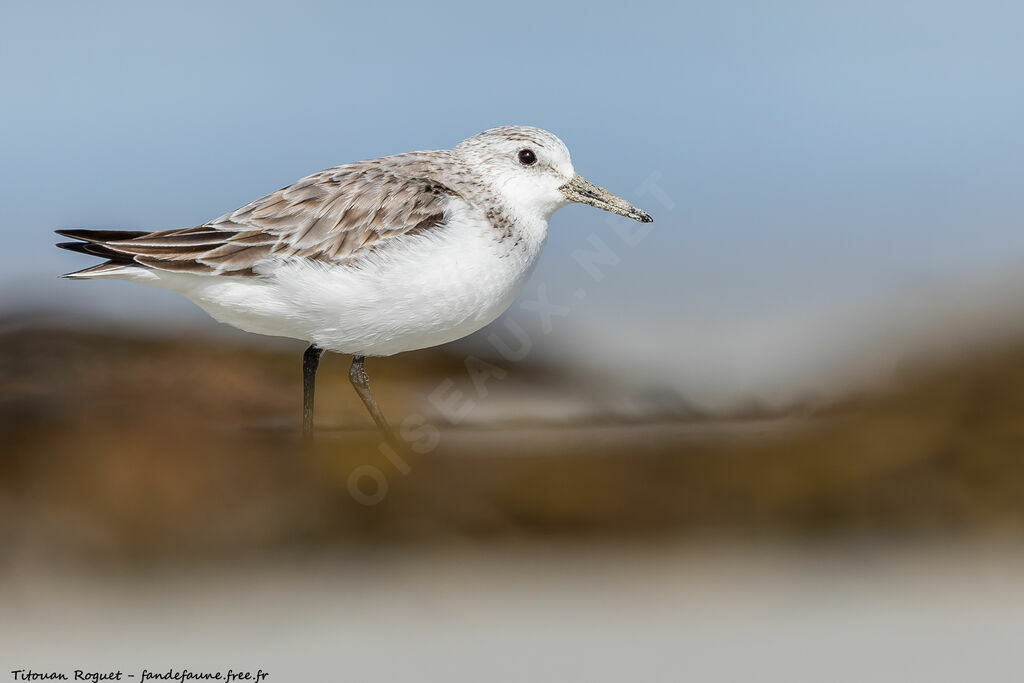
817,155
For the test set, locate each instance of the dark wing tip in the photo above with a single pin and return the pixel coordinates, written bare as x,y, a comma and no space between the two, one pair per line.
87,235
80,247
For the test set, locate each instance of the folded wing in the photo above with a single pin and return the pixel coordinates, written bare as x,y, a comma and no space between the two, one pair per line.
336,216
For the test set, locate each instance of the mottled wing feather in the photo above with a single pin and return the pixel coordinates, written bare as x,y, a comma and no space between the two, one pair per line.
335,216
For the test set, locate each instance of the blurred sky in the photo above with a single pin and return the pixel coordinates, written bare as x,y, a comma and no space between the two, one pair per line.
820,158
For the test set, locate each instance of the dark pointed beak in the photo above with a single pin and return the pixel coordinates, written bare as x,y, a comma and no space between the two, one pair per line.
581,190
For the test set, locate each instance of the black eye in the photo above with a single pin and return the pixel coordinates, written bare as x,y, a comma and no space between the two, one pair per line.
527,157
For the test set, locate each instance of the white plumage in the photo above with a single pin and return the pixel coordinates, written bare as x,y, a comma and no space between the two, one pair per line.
424,290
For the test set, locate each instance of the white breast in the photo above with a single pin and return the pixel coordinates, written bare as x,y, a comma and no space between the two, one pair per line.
413,292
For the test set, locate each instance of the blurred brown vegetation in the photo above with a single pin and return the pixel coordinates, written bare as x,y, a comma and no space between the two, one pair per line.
131,447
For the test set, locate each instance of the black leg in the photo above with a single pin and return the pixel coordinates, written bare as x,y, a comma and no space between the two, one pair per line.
361,381
310,362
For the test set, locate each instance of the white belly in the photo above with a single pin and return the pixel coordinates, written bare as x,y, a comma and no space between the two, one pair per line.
421,291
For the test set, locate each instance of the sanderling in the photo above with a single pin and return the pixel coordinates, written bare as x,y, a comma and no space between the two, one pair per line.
371,258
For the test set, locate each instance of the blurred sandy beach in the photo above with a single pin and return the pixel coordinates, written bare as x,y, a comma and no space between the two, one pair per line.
154,492
131,447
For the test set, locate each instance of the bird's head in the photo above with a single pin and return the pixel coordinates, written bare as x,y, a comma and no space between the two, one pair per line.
531,169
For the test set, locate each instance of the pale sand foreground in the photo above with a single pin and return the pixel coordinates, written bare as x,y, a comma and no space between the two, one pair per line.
541,613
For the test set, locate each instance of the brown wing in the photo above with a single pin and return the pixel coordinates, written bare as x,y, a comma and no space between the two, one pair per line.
335,215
